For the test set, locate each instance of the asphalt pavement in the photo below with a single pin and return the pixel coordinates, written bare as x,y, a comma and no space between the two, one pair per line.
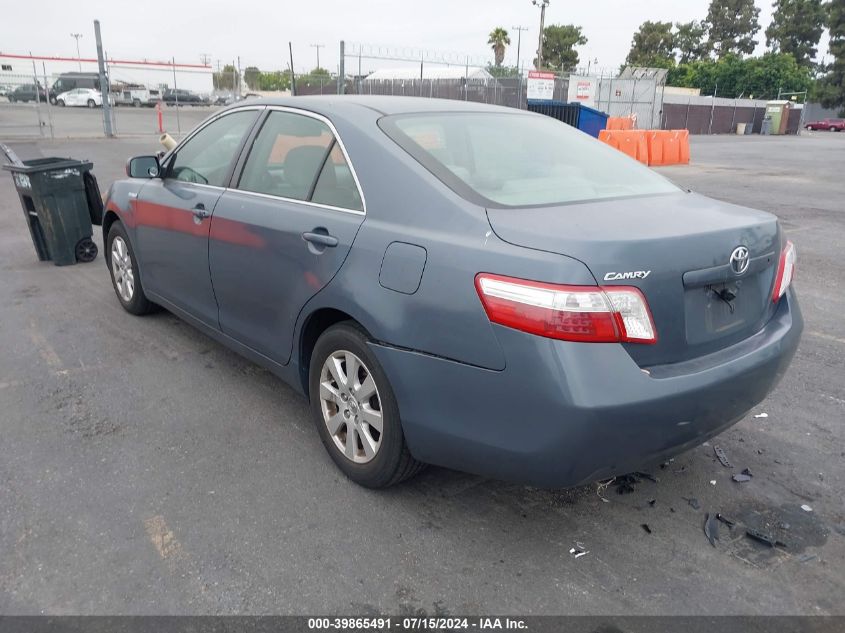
145,469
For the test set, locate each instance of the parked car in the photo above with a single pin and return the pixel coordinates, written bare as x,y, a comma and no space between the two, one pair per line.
181,97
459,284
832,125
135,96
70,81
84,97
27,92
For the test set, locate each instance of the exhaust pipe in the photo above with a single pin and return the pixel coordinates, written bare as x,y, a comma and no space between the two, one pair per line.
167,140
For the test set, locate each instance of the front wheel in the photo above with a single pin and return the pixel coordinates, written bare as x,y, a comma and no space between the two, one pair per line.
86,250
124,272
60,103
355,411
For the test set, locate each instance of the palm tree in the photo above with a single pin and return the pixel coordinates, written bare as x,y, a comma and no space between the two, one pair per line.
498,40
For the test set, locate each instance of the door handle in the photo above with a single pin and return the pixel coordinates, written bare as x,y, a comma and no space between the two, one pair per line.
323,239
200,212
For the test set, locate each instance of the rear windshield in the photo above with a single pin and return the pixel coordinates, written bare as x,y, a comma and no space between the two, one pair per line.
518,160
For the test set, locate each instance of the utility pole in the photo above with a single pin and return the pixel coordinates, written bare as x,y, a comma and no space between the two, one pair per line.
76,36
519,30
205,58
104,86
542,4
318,47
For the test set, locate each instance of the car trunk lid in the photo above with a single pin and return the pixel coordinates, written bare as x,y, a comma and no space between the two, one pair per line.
677,250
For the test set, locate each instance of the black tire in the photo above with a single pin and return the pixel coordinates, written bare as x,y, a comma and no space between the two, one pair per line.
393,462
60,103
86,250
92,103
138,304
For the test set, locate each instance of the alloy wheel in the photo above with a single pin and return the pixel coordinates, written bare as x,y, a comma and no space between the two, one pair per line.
351,407
121,269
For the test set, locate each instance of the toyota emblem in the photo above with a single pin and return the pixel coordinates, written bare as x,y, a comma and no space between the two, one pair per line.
740,260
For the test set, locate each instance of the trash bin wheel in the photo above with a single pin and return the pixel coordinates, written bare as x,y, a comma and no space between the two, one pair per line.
86,250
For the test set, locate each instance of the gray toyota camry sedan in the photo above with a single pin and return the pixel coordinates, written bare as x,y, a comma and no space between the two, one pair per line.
458,284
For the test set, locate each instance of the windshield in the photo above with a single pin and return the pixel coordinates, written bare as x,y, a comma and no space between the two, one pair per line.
517,160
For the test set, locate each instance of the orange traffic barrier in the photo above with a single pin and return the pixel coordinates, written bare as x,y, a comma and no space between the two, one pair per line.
620,123
630,142
683,146
652,147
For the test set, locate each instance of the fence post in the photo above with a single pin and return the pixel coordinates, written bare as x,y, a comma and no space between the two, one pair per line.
176,95
341,75
686,119
49,104
38,96
101,66
466,81
713,108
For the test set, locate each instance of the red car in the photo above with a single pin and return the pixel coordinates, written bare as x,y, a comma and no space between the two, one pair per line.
834,125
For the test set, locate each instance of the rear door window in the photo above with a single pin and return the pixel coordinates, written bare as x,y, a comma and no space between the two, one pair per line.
297,157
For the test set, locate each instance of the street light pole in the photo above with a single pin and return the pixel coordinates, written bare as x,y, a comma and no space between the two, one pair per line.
318,47
542,4
519,30
76,36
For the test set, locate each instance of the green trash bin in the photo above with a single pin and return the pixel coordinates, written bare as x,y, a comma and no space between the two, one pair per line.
57,207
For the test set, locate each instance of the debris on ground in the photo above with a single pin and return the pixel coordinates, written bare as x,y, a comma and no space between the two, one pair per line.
806,558
806,508
665,464
693,502
625,483
743,476
712,482
722,456
601,486
648,476
761,537
578,551
645,527
652,502
762,415
711,528
729,522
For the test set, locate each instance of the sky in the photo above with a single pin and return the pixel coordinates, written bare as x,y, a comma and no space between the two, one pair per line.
259,30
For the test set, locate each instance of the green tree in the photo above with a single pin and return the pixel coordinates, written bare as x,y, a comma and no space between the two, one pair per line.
559,42
275,80
653,46
796,28
317,72
731,25
503,71
830,89
225,79
498,40
252,77
733,76
690,41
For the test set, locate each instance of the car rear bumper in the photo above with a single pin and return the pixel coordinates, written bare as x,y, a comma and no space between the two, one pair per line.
562,414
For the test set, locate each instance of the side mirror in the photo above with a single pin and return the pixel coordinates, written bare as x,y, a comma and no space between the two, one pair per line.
143,167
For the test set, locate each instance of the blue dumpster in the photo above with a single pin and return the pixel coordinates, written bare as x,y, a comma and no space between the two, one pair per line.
586,119
591,121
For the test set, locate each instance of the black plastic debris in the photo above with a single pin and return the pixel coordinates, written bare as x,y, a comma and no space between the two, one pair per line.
729,522
625,483
761,537
652,502
648,476
645,527
711,528
745,471
693,502
722,456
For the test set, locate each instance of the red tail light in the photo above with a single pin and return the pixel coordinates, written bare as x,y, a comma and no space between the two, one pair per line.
595,314
786,270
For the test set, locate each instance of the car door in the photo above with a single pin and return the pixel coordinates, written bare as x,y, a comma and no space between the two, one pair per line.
75,97
173,214
282,232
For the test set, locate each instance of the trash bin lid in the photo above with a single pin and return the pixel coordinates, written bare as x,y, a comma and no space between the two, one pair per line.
48,164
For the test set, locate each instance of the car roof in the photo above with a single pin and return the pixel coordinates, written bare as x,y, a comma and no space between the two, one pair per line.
340,104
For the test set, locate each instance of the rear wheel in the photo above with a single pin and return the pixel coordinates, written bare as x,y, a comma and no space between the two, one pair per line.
86,250
136,103
92,103
355,411
124,272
